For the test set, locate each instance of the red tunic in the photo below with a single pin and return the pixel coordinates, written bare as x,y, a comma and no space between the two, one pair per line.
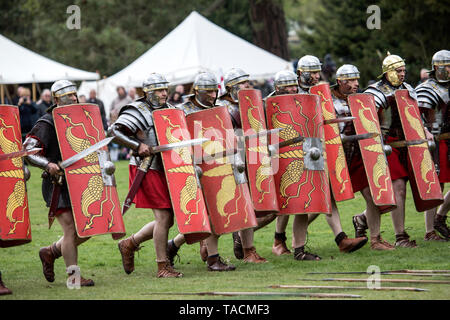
153,192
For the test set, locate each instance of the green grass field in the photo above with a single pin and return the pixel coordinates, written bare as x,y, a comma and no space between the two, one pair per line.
100,260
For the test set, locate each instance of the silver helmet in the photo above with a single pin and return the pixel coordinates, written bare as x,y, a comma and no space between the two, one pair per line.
154,82
285,78
347,72
61,88
232,79
204,82
305,66
438,62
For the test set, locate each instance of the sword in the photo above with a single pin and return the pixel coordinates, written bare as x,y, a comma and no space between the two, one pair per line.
18,154
442,136
339,120
260,133
145,164
357,137
275,148
68,162
406,143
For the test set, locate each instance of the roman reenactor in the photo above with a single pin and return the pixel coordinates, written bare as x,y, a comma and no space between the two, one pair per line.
43,135
134,129
433,99
396,105
344,243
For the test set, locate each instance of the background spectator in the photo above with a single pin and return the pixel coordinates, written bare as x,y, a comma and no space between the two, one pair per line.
132,93
93,99
175,98
82,99
117,104
423,75
27,110
46,102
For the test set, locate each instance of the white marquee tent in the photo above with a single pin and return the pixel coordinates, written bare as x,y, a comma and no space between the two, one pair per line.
193,46
20,65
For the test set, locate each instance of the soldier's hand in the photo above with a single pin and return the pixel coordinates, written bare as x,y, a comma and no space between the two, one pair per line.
144,150
428,135
53,169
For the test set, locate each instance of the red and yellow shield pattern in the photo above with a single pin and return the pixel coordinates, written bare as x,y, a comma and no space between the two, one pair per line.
362,107
258,160
95,205
338,172
186,196
300,190
426,181
229,204
15,226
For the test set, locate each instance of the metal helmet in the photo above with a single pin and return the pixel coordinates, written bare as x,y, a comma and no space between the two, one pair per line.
305,66
61,88
390,64
347,72
438,62
231,80
204,82
285,78
154,82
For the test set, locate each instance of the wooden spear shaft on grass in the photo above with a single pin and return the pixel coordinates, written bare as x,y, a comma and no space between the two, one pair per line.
281,286
381,280
387,273
382,272
277,294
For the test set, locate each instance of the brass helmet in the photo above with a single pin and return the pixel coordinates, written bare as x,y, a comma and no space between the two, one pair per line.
438,62
154,82
232,78
203,82
61,88
390,64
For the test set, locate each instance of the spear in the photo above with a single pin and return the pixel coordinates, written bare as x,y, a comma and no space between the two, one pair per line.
389,273
277,294
381,280
349,288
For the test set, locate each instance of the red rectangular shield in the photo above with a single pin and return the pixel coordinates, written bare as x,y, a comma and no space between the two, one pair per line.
229,204
185,194
362,107
15,226
301,188
341,186
258,160
425,185
95,204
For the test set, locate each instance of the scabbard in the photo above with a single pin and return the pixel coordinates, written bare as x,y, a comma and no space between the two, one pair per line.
54,203
135,185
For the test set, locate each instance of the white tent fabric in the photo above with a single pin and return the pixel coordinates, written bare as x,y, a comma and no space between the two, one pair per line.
193,46
20,65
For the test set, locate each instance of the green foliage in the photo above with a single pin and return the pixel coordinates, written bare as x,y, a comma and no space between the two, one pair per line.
415,30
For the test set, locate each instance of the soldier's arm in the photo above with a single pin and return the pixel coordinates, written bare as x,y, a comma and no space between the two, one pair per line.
39,160
125,137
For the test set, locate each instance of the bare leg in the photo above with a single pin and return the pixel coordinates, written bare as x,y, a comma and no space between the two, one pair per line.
299,228
164,220
282,222
264,221
445,207
398,214
145,233
212,244
68,241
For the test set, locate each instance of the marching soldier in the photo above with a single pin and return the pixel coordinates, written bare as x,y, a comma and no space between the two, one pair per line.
347,83
237,79
43,135
308,72
433,98
392,79
205,88
134,129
